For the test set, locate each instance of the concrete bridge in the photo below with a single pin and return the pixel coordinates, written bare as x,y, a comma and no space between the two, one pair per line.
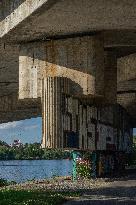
73,63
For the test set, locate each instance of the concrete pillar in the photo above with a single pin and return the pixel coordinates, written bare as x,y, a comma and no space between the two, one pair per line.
110,77
52,105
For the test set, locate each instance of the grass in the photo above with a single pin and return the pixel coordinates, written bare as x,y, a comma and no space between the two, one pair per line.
11,197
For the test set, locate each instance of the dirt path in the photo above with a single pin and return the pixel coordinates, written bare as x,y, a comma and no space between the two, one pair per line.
119,192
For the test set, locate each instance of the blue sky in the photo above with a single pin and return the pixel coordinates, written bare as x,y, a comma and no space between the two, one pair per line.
28,131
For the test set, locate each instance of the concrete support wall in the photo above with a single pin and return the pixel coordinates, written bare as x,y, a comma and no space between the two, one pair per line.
64,73
11,109
80,59
126,68
110,77
127,84
9,69
69,122
64,116
31,65
83,70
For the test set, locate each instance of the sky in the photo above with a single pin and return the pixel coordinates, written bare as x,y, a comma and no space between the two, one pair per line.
28,131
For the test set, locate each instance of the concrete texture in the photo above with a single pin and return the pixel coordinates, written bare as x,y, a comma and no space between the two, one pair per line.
127,83
14,12
9,69
39,19
110,77
79,59
11,108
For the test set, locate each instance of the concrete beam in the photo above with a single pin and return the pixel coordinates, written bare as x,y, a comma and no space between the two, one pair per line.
17,115
11,109
29,20
14,12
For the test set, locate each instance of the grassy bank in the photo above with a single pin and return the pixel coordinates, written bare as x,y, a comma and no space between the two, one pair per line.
10,197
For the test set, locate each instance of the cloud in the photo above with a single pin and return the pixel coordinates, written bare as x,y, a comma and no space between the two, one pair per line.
18,124
10,125
31,127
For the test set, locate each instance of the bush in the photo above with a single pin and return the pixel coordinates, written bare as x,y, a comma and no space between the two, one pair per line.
83,168
3,182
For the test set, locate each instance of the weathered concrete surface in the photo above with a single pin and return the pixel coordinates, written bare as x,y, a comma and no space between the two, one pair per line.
110,77
11,108
127,83
126,68
38,19
27,20
9,69
13,12
34,58
74,67
79,59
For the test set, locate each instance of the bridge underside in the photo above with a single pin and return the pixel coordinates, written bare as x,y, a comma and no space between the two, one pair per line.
88,47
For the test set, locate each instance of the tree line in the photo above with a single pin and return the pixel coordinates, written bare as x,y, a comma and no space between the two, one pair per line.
31,151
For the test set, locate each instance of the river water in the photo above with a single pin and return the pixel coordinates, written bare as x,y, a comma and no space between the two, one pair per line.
23,170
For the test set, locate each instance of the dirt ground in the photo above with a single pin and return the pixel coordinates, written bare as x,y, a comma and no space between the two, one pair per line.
118,192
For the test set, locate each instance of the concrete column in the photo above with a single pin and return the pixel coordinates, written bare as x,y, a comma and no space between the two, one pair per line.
110,78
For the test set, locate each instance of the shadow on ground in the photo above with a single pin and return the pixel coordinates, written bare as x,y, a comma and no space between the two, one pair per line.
120,192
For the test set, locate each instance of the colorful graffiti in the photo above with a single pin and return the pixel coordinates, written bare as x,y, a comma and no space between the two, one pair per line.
97,164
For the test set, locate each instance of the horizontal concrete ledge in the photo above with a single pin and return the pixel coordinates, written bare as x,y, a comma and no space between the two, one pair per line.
126,91
34,19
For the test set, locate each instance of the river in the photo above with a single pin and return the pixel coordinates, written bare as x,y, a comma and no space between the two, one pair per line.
23,170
